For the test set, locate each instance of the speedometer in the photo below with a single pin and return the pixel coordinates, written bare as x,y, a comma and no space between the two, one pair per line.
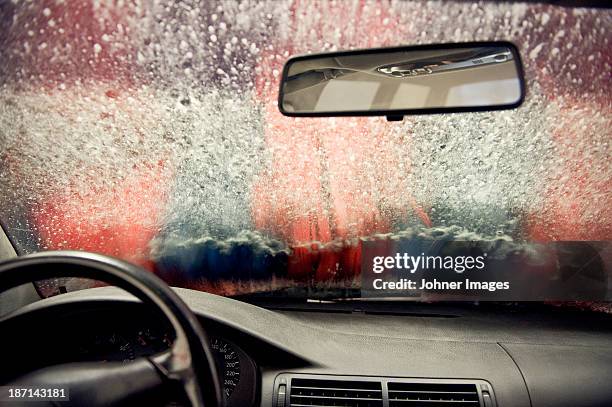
228,364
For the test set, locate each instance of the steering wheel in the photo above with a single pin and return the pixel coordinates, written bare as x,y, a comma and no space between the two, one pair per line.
188,362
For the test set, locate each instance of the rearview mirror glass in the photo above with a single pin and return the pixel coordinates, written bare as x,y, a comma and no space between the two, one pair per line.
403,80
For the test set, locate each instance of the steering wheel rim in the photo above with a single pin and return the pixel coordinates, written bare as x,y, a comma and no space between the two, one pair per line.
189,360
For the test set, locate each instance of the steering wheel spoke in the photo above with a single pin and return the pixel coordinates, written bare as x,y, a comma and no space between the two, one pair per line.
175,365
96,383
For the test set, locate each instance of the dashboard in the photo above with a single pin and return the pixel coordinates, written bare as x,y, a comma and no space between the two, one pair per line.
237,371
94,333
516,356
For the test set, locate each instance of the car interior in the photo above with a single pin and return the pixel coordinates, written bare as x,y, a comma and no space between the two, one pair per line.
202,229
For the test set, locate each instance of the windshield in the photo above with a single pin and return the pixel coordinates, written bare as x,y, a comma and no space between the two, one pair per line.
149,130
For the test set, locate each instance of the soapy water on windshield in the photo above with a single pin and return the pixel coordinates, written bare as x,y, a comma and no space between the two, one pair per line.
158,140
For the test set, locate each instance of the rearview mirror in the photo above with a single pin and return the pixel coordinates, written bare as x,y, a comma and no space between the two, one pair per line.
394,82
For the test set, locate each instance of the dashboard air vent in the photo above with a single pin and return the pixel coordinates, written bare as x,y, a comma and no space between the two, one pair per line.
432,394
324,392
318,390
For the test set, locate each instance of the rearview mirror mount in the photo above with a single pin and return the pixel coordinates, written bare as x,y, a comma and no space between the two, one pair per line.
393,82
